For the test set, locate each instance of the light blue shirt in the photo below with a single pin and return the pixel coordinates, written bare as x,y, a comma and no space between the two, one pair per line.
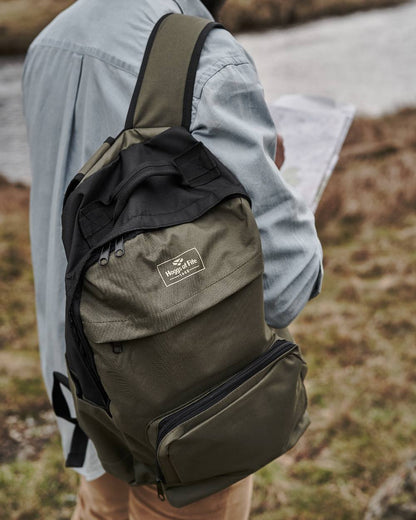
78,79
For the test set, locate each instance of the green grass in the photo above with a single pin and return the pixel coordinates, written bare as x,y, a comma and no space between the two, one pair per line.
358,339
41,489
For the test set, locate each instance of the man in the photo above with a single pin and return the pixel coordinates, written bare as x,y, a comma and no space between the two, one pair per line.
79,76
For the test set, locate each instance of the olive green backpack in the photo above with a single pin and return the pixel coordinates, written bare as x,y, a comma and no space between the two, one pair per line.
176,377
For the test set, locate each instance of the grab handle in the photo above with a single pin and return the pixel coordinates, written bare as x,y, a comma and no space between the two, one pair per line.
131,184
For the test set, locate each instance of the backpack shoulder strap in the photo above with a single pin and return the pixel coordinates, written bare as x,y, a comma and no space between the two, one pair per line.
163,94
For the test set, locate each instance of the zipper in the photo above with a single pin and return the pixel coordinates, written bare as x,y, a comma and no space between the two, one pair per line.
102,257
159,483
119,251
119,247
105,254
167,424
75,320
95,256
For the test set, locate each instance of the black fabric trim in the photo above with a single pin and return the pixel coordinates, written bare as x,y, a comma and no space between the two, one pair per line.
78,449
197,183
79,442
60,406
196,166
179,7
130,114
190,79
72,185
85,365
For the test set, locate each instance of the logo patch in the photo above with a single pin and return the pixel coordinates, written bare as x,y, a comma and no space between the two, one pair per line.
180,267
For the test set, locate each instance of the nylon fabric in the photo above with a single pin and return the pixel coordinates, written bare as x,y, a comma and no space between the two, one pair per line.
176,365
160,102
106,153
237,425
108,440
94,159
89,76
169,356
231,258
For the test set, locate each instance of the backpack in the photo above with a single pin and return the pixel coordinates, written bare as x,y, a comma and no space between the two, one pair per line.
175,375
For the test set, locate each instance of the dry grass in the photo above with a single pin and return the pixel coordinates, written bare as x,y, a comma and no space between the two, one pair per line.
32,483
241,15
17,318
379,159
358,338
22,20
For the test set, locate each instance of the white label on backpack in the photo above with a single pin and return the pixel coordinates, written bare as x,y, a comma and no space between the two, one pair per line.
180,267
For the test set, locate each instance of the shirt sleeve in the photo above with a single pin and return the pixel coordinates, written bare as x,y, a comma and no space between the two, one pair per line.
233,121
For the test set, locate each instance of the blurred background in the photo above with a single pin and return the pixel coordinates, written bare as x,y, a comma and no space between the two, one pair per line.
357,460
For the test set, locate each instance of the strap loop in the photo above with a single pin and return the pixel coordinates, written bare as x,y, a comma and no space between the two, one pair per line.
196,166
78,449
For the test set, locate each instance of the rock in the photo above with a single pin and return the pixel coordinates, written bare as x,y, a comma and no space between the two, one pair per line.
396,498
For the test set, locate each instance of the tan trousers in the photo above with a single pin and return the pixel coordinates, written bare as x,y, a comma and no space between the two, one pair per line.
108,498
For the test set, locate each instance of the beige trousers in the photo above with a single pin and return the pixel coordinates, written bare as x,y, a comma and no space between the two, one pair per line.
108,498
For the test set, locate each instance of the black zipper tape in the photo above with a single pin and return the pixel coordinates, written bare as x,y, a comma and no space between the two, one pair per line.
168,423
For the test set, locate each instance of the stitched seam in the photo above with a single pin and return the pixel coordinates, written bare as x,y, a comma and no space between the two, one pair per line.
108,59
144,215
92,52
213,197
197,100
201,83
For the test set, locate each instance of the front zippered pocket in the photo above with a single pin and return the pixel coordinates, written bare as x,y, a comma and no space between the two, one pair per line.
237,427
279,348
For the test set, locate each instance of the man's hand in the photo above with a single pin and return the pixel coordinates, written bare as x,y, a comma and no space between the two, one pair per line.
280,152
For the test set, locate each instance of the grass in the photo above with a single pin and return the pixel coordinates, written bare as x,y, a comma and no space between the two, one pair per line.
38,490
358,336
22,20
358,339
33,484
242,15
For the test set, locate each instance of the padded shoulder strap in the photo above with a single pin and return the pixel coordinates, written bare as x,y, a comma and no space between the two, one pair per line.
164,89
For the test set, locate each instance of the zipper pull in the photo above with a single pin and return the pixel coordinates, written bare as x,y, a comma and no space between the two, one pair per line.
117,347
119,247
105,255
160,492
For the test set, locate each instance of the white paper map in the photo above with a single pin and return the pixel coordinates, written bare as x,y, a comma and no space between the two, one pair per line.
313,130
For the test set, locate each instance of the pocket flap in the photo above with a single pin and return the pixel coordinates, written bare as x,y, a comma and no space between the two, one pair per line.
167,276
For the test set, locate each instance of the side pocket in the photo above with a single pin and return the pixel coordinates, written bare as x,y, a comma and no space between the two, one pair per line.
237,427
111,448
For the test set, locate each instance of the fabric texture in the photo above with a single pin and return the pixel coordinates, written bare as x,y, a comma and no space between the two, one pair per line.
78,79
108,498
